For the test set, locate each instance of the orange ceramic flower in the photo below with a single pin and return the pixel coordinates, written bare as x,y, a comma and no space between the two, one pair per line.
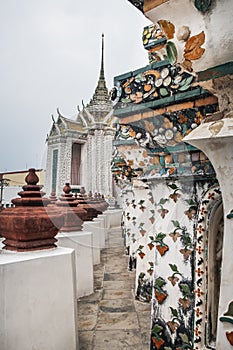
162,249
160,296
158,342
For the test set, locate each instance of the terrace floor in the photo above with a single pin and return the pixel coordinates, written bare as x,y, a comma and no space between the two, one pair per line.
111,318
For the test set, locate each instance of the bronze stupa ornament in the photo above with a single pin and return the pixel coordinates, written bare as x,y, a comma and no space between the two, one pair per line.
31,224
74,215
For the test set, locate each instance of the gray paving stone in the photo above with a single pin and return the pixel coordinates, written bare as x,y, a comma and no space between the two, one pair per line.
117,320
117,305
127,285
110,294
117,340
86,340
111,318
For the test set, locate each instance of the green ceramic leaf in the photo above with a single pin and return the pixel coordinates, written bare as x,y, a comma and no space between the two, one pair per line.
187,81
160,236
186,239
173,186
173,267
159,282
190,202
171,52
163,201
185,84
156,329
185,288
176,223
184,338
163,92
125,100
174,312
140,77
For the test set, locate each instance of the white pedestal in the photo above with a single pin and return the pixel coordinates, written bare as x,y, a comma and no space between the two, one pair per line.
101,231
114,218
93,226
37,300
82,243
105,219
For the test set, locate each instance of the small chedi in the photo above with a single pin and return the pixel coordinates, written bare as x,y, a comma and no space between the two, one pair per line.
74,214
32,224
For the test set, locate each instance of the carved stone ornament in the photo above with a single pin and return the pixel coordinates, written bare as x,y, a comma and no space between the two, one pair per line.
202,5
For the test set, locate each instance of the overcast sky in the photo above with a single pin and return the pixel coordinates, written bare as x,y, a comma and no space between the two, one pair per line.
50,54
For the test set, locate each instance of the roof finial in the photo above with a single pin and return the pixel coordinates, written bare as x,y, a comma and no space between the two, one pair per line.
102,59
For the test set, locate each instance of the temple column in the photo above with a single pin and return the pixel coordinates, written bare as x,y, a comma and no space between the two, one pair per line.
215,139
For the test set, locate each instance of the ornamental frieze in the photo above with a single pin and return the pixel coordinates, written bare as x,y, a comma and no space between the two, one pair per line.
166,130
152,84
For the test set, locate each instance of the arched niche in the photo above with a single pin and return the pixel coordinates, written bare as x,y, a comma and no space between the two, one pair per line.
207,268
215,243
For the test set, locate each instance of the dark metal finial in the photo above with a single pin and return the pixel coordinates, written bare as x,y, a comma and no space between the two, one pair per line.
102,58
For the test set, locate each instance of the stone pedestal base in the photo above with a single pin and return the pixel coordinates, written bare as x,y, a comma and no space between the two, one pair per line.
101,230
94,227
105,220
38,301
114,218
82,243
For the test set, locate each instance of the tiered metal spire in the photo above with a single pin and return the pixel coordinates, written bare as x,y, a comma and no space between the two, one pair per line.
100,101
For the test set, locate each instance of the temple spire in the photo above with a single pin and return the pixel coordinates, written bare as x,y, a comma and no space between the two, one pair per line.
100,99
100,104
102,59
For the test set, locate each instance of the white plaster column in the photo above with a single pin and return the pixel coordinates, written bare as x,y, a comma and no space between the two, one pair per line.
93,169
98,161
87,176
61,168
215,139
84,178
38,307
107,189
48,178
65,164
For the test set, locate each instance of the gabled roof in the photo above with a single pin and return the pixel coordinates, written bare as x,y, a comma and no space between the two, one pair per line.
64,125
